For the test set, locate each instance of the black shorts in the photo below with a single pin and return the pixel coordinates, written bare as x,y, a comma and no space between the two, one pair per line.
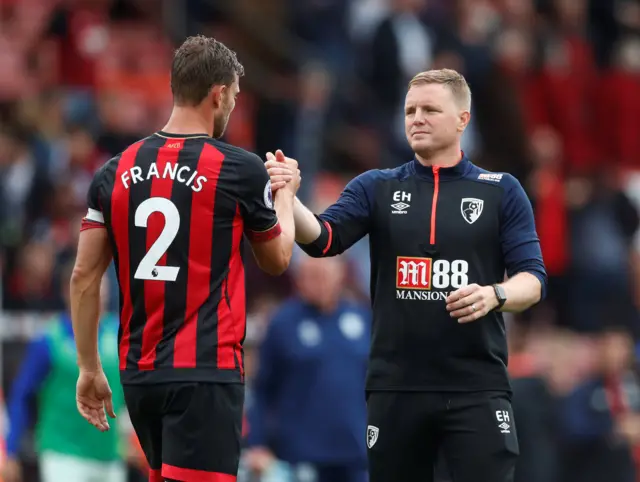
188,431
473,432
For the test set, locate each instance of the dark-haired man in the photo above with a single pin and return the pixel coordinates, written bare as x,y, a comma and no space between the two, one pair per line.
175,207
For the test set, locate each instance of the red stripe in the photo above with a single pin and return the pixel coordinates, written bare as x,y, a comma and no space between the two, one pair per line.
86,224
200,245
237,292
191,475
154,291
120,228
434,205
262,236
155,476
230,311
326,248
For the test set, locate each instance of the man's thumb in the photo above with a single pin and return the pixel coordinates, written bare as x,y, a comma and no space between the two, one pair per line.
280,156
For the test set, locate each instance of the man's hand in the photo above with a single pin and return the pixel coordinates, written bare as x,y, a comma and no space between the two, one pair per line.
259,459
283,171
471,302
11,470
93,397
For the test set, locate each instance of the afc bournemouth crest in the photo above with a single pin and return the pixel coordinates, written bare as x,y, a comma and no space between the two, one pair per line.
372,435
471,209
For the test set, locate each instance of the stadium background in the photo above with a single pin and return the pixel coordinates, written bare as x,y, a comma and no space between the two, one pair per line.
556,87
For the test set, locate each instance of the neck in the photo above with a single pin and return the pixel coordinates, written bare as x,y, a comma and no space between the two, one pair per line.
189,120
444,158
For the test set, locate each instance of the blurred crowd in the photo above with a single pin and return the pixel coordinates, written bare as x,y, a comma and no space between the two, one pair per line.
556,102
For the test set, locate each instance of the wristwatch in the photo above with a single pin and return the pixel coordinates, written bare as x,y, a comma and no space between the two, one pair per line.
501,296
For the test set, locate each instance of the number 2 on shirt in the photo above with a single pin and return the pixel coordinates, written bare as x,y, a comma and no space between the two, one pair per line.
148,268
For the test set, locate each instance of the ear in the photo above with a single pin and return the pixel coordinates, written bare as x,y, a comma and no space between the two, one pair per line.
217,95
463,120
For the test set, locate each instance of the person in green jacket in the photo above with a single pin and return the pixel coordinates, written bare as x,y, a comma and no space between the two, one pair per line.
69,449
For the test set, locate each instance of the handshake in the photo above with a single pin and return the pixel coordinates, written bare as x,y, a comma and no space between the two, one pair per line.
283,172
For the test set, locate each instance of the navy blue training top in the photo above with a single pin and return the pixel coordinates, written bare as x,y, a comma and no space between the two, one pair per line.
432,231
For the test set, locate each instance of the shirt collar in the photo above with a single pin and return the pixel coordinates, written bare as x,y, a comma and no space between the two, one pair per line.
445,173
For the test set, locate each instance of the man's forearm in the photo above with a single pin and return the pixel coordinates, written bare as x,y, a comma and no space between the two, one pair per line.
85,316
307,228
283,205
523,291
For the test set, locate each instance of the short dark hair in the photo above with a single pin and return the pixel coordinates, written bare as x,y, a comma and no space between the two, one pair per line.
199,64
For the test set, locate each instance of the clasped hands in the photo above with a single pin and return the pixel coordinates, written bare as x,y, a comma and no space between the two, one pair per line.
283,172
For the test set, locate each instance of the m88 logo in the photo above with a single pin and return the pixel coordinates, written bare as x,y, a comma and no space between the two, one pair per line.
425,273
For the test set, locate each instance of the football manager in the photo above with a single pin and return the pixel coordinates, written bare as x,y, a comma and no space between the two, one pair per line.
443,233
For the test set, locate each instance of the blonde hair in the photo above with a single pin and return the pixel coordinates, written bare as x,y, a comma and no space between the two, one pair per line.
455,81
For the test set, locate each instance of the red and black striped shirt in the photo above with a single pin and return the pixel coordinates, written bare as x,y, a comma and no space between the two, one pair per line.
176,209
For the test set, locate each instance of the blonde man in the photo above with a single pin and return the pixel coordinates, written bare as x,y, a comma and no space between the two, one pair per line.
443,232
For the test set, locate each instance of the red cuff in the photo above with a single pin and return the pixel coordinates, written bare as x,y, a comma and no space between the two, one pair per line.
330,231
155,476
88,224
262,236
191,475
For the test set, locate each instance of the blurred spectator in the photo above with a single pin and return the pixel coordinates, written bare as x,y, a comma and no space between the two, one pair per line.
24,185
77,159
68,448
401,46
311,120
33,285
601,418
308,406
547,188
364,16
534,404
77,35
322,23
619,103
569,82
603,224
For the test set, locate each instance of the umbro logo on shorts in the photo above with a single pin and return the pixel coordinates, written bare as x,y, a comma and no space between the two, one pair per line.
502,416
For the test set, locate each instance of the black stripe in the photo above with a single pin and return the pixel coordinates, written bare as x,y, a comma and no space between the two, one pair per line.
175,298
140,192
206,331
223,215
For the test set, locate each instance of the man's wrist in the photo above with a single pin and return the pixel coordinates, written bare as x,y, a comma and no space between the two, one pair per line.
492,298
285,192
499,296
89,366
